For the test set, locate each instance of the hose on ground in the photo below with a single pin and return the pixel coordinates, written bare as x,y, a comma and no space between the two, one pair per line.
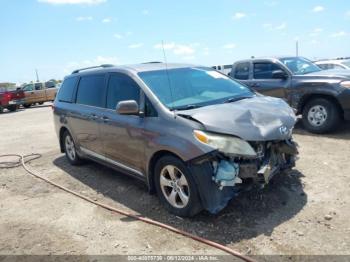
23,159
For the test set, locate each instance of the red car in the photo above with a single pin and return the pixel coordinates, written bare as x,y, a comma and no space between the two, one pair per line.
10,99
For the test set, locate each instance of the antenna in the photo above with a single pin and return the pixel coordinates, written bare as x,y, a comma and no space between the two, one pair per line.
297,48
37,75
167,73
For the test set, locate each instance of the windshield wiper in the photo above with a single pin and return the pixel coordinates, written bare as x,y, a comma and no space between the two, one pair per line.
186,107
234,99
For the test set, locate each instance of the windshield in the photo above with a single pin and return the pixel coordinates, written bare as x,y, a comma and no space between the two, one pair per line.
347,63
299,65
186,88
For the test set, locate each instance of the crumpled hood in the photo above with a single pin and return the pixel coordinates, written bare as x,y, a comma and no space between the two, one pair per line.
260,118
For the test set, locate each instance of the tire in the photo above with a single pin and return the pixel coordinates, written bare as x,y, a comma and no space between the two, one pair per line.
12,108
320,116
180,195
1,110
27,105
41,103
70,149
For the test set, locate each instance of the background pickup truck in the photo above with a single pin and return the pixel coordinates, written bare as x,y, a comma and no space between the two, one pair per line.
321,97
39,93
10,99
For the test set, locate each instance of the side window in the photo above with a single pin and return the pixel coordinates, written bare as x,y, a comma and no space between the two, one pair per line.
65,93
242,71
28,88
323,66
338,67
264,70
38,86
121,87
91,90
150,111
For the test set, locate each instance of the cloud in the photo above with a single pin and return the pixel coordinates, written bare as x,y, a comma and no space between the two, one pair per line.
166,46
73,2
137,45
316,32
239,15
145,12
99,60
281,26
183,50
83,18
229,46
271,3
347,14
107,20
270,27
118,36
339,34
206,51
177,49
318,8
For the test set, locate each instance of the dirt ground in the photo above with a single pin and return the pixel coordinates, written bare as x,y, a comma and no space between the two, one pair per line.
303,213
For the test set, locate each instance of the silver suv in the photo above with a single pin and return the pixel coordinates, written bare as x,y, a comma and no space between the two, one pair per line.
192,134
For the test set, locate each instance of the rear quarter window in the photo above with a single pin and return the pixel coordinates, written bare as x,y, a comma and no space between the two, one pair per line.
91,90
65,94
242,71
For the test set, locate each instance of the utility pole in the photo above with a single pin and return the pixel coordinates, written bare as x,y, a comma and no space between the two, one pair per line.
37,75
297,48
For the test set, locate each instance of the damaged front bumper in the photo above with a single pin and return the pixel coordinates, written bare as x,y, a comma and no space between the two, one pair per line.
221,176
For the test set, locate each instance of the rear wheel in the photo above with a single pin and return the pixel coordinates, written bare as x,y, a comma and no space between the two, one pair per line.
27,105
41,103
320,116
70,149
1,109
176,188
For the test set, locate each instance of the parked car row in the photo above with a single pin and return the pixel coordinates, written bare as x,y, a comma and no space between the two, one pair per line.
321,97
27,95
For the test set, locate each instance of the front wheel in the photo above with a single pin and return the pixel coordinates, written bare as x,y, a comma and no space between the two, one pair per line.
12,108
176,188
320,116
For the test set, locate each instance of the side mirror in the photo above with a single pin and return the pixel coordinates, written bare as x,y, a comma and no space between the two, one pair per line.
128,107
279,74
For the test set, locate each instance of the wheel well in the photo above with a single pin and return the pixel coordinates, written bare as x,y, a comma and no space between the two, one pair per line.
308,98
62,130
152,165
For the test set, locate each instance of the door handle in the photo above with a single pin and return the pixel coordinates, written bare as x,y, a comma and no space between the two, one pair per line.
93,117
255,85
105,119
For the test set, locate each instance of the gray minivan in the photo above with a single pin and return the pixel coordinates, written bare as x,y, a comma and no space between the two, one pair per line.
192,134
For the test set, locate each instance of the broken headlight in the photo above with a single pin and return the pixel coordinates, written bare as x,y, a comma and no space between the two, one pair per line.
225,144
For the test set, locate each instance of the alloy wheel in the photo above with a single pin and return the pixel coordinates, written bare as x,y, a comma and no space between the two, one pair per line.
174,186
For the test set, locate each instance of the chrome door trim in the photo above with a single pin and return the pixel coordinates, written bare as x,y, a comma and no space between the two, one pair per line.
115,163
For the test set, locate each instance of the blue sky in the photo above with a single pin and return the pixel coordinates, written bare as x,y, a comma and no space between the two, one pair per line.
58,36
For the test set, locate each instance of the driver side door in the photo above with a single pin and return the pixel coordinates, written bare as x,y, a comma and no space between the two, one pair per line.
122,135
264,83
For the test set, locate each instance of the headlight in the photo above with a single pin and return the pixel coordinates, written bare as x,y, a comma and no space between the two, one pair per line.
224,143
345,84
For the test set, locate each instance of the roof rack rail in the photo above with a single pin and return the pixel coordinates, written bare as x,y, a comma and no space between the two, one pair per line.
152,62
92,67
